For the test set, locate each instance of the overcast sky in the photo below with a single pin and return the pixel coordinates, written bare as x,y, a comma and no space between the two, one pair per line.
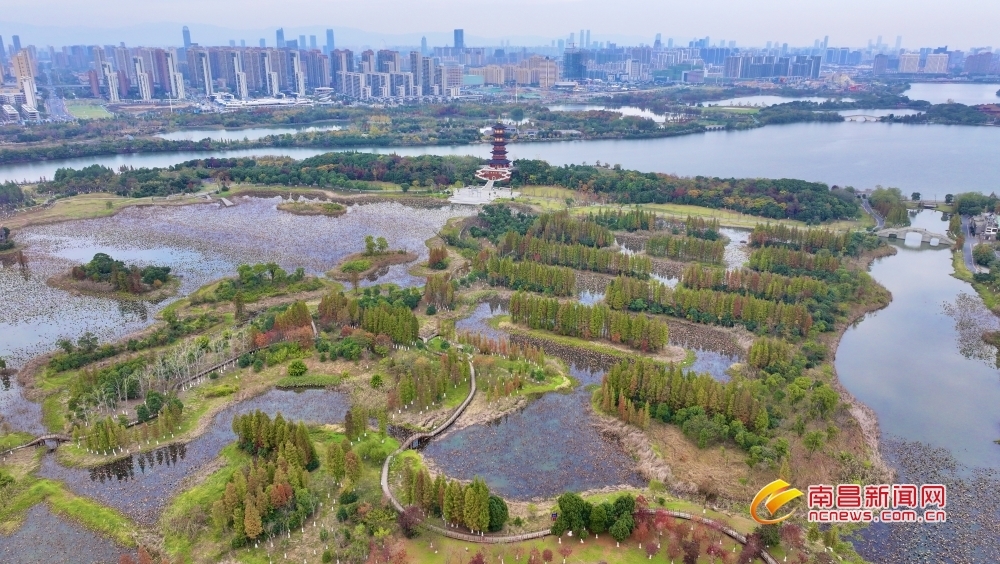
957,23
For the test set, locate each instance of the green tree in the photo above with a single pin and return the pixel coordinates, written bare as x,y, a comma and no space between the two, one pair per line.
476,511
948,198
297,368
335,458
983,254
369,245
813,441
621,530
915,196
382,245
498,513
598,519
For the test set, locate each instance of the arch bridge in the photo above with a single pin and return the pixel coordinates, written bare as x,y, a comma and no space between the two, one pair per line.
925,236
861,117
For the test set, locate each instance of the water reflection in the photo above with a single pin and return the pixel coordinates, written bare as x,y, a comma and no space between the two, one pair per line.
545,449
140,485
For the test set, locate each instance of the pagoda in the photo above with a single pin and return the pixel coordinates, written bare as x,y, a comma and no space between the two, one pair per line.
498,168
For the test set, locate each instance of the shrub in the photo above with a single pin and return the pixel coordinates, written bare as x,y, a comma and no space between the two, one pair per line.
297,368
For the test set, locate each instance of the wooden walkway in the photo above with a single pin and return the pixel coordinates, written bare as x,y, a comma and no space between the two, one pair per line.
498,539
448,532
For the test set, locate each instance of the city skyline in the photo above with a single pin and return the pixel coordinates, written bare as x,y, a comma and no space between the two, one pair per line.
850,23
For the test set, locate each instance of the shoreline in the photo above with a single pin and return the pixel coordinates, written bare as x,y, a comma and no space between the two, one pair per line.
865,416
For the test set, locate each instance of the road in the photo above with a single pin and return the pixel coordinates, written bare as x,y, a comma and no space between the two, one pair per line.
967,246
879,222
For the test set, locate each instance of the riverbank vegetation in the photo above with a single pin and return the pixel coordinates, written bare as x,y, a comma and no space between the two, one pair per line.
810,202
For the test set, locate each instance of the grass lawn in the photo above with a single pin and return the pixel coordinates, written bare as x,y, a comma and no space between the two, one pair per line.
87,109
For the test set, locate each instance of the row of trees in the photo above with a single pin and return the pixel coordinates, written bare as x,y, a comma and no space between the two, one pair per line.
702,228
271,494
685,248
588,322
531,276
766,285
502,347
791,263
620,220
420,381
576,256
851,243
561,227
709,306
470,505
647,383
105,435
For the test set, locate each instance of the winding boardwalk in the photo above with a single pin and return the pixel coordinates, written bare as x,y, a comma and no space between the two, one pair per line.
498,539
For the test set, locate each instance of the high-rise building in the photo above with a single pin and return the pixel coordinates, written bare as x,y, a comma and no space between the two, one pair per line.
175,80
111,81
574,67
312,42
262,43
936,63
388,61
143,82
329,41
297,75
423,45
23,66
302,42
187,36
586,42
979,63
909,63
899,43
17,43
880,64
341,62
459,39
416,64
204,70
280,37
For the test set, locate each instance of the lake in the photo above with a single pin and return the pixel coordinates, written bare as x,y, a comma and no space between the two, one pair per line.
249,133
931,159
968,94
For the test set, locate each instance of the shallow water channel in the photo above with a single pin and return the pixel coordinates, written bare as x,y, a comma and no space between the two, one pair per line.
46,537
549,446
141,485
201,243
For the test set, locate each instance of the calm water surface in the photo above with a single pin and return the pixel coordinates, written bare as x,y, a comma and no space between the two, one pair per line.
45,537
906,362
141,485
968,94
250,133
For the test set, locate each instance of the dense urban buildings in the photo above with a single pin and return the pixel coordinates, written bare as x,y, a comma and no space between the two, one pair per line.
293,69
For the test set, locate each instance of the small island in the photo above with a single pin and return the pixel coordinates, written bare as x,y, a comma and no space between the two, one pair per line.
104,276
375,256
329,209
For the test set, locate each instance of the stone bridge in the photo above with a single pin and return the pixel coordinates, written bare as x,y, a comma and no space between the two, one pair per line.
925,236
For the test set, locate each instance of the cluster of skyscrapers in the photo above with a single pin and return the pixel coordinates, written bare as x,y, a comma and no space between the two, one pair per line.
293,67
